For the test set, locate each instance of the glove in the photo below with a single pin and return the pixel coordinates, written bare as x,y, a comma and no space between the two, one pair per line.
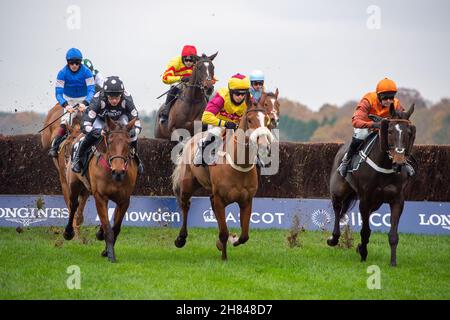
376,125
230,125
81,107
375,118
70,109
185,79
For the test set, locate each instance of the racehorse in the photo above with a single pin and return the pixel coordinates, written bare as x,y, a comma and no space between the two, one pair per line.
233,179
111,176
272,106
62,164
49,133
192,101
380,179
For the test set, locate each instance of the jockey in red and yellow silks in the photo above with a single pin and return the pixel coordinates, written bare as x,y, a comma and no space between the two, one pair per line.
178,69
373,103
224,111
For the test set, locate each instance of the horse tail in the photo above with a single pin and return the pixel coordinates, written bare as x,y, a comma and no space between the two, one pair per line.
176,176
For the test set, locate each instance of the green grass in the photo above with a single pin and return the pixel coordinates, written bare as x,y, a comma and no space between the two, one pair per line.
33,266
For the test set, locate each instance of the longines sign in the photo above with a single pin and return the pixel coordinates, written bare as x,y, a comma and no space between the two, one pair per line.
312,214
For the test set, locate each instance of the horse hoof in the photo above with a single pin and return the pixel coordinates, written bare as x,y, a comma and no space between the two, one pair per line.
332,241
234,240
180,242
393,263
104,253
112,259
100,235
68,235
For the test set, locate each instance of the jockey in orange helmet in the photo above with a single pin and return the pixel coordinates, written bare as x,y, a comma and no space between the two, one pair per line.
373,103
178,70
224,111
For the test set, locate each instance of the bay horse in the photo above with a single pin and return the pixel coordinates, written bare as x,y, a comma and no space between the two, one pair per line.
233,179
191,103
111,176
380,179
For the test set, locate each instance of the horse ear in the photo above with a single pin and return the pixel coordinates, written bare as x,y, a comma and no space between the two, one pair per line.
409,112
130,125
110,124
213,56
276,93
384,135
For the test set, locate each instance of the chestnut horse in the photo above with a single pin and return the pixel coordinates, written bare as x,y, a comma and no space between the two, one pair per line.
233,179
380,179
62,163
191,103
272,106
111,176
49,133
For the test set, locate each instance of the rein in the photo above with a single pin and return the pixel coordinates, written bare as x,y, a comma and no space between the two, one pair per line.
111,158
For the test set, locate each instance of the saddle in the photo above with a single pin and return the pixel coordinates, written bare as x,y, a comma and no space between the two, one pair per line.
363,152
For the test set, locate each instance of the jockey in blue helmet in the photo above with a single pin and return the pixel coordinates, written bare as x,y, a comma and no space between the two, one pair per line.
256,84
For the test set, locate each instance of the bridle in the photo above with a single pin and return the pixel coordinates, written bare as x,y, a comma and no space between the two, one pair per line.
111,158
392,148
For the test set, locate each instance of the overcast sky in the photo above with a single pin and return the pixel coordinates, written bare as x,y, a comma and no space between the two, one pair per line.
315,52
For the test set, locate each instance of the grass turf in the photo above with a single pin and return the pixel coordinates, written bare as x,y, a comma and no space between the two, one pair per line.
149,266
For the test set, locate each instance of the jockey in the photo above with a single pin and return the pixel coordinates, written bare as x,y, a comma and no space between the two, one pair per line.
373,103
98,77
224,111
112,101
178,70
74,85
257,84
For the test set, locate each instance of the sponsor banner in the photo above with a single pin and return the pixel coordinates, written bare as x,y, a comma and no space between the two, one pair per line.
312,214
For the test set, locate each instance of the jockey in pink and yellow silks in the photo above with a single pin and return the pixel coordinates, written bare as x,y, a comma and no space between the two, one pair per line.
224,111
229,104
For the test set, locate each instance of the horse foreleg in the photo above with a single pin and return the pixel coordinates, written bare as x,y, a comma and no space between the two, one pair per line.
246,211
219,210
396,212
79,218
102,209
365,230
75,189
118,217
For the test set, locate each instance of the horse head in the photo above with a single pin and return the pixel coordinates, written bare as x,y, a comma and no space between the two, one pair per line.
257,120
117,139
397,136
272,105
203,72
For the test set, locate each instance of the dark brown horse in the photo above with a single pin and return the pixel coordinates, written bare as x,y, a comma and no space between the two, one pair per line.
111,176
380,179
192,101
233,179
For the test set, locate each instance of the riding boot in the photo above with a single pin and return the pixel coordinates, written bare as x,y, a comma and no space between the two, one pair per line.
199,159
80,153
53,152
133,145
352,149
170,99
